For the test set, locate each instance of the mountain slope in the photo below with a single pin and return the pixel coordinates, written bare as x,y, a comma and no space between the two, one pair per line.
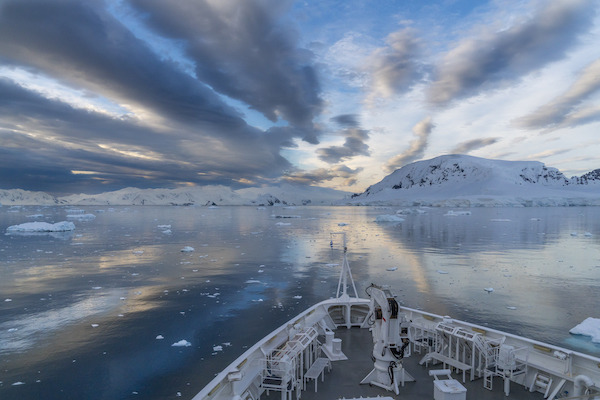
473,181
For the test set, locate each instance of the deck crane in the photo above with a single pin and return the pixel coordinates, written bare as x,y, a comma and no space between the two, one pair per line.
391,340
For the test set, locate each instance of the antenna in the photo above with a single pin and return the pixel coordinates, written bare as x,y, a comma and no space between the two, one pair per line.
345,273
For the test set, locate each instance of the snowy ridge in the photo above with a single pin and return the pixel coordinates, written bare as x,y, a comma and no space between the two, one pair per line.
460,180
189,196
25,197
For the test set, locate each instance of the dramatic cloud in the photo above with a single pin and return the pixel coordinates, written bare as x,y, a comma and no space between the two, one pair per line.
353,146
88,48
45,140
422,130
470,145
562,111
346,120
394,68
500,55
244,50
324,174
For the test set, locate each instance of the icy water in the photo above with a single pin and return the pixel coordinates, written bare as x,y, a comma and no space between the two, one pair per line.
80,313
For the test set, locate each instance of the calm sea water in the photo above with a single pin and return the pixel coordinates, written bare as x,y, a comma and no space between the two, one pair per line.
80,313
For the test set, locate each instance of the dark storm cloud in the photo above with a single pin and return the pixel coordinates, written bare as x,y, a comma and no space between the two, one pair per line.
505,55
346,120
244,50
43,140
320,175
181,131
354,144
86,47
421,130
470,145
565,110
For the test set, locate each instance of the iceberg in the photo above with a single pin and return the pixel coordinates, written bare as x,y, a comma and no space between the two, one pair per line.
388,218
63,226
589,327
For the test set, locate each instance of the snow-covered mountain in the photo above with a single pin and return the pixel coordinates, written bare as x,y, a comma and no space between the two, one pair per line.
460,180
449,180
25,197
205,195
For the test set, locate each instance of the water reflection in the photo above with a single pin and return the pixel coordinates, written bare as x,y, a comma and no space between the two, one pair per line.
248,275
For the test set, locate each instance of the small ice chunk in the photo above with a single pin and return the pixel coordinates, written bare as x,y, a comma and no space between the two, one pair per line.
297,297
342,224
252,281
82,217
167,232
488,289
181,343
457,213
442,272
512,308
138,252
573,233
159,337
94,325
18,383
97,287
587,234
331,265
217,348
187,249
283,224
392,269
500,220
164,226
8,300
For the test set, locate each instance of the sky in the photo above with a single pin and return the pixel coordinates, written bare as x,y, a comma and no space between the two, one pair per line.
100,95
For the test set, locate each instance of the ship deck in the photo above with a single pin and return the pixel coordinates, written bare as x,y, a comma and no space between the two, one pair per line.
343,381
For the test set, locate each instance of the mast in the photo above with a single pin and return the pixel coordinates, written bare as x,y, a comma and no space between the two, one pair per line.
345,273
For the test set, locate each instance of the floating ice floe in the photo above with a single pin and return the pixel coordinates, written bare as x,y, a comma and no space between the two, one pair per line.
500,220
81,217
187,249
181,343
217,348
283,224
488,289
163,226
63,226
138,252
392,269
587,234
573,233
285,216
331,265
18,383
8,300
297,297
388,218
159,337
512,308
252,281
589,327
167,232
457,213
35,216
342,224
442,272
94,325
